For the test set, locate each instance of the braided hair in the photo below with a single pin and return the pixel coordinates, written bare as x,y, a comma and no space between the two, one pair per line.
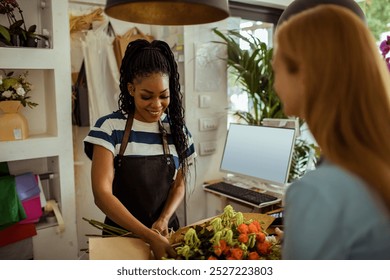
143,58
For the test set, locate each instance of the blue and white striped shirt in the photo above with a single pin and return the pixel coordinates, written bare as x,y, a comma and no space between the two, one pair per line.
145,138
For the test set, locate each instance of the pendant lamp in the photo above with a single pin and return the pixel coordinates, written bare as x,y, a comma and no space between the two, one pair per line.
168,12
301,5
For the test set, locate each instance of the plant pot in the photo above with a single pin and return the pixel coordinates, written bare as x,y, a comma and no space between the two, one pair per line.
19,41
32,42
13,125
15,40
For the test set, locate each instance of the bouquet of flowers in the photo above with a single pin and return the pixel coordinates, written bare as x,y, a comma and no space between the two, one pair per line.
16,88
228,237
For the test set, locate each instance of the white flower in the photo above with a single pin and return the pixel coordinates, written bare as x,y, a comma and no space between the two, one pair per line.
7,94
1,80
20,91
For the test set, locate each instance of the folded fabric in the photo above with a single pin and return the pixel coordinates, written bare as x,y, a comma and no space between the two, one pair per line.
33,209
26,186
4,168
11,208
16,233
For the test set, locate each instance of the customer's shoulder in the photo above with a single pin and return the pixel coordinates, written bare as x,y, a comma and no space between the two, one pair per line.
328,176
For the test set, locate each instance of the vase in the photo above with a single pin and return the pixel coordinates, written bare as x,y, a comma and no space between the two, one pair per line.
13,125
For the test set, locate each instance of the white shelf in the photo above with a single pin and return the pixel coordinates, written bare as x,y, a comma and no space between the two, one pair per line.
29,58
49,147
32,147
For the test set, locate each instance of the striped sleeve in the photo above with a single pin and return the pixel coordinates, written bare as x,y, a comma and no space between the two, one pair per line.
107,132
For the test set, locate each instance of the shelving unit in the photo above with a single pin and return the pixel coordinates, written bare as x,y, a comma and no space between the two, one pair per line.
49,145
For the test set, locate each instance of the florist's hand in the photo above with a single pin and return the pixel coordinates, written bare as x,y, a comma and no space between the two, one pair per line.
279,233
161,226
161,247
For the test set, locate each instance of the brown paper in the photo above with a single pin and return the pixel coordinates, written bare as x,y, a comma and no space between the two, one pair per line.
118,248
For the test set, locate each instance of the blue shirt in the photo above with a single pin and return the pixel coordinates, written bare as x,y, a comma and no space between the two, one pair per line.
331,214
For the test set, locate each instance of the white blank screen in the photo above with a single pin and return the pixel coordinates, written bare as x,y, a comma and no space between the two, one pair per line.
258,151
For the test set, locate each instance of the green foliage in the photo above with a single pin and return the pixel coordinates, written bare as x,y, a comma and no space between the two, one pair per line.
253,71
16,88
17,34
377,14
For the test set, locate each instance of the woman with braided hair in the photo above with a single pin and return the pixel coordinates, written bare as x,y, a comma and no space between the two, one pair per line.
140,153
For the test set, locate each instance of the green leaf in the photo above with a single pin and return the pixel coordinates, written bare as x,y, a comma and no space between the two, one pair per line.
32,28
9,82
5,33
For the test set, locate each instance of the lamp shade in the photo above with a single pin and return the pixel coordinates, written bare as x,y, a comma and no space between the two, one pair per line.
300,5
168,12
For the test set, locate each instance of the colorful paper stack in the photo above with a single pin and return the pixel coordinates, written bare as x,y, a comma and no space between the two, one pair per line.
20,206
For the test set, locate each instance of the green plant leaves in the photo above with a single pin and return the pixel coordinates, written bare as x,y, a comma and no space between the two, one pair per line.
5,33
253,71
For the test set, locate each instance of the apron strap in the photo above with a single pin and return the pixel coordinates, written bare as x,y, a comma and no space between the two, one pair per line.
125,139
126,135
164,138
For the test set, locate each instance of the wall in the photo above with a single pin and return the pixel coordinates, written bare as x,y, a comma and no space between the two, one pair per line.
198,40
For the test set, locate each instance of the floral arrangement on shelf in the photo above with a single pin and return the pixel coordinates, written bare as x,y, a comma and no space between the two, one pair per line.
16,88
17,34
228,237
385,49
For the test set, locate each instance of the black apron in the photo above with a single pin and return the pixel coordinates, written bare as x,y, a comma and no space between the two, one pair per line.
142,183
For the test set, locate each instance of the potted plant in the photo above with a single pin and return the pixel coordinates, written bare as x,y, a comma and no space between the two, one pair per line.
253,71
14,94
16,88
17,34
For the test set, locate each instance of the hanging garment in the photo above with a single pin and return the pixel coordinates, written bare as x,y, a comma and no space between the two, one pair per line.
84,22
143,183
101,71
80,108
121,41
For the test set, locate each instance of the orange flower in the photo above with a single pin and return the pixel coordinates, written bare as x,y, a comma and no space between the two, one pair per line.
220,248
252,227
212,258
243,237
260,237
257,224
217,250
237,253
243,228
263,248
253,256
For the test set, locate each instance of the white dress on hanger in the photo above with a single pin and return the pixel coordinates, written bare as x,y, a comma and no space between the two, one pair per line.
102,72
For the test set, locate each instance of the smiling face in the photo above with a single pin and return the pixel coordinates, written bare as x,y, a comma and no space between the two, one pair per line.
151,96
